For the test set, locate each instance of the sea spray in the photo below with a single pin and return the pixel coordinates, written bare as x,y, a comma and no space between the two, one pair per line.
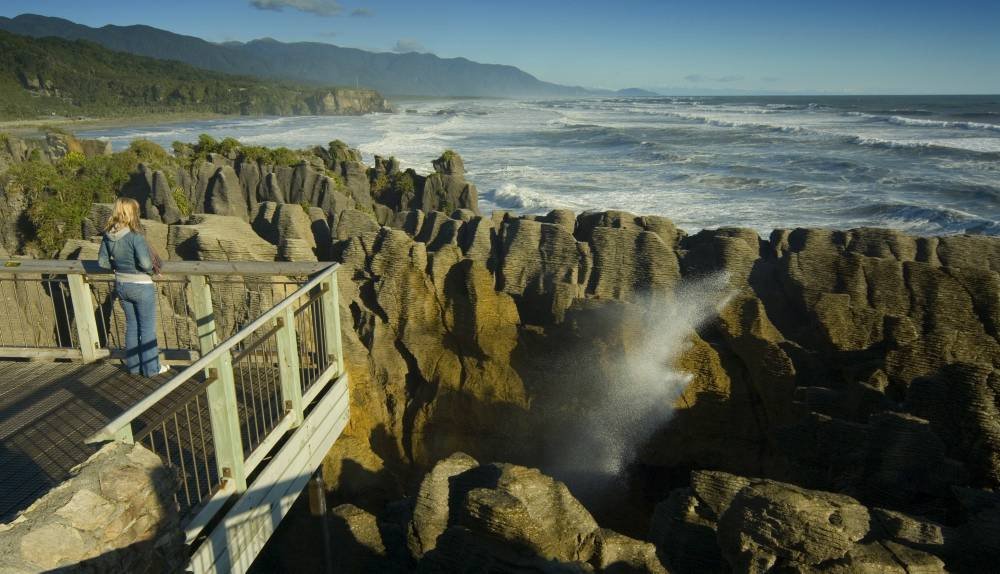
595,448
633,407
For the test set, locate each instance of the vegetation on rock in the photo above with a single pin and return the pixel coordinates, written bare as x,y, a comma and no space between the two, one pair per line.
59,195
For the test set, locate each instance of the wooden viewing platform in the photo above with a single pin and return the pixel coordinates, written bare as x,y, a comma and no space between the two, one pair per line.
246,417
47,410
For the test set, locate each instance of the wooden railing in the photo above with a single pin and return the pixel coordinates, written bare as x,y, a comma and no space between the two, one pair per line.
64,309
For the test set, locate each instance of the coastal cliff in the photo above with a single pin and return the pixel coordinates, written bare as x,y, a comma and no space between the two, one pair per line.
686,388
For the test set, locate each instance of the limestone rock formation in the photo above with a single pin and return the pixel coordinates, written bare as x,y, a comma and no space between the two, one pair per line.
446,189
759,525
155,196
218,238
492,518
114,514
430,508
861,363
767,522
224,196
359,542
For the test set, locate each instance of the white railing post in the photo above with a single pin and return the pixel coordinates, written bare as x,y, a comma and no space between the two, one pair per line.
288,365
83,312
223,412
124,434
331,324
204,313
221,393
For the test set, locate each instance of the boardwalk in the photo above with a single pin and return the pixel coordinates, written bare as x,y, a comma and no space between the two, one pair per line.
47,409
245,422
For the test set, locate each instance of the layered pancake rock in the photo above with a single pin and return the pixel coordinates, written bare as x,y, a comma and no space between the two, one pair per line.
862,363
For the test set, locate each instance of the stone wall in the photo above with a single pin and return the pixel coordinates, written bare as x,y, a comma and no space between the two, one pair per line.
115,514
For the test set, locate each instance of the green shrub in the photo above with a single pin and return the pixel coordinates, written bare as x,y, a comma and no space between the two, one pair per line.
59,195
227,146
74,160
148,151
206,144
404,183
254,153
284,156
381,184
181,149
183,204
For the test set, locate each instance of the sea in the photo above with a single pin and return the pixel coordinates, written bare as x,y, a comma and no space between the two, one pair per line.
927,165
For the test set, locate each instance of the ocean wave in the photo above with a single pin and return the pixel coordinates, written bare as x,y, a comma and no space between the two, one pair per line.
728,123
731,181
952,146
510,196
904,121
904,111
915,216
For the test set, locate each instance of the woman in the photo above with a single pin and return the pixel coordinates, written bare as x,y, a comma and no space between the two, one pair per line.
124,250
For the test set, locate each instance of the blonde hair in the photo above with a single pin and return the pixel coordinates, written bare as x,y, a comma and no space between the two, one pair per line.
124,213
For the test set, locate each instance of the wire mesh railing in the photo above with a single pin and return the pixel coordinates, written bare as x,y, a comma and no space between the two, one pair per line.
38,311
258,387
181,436
314,358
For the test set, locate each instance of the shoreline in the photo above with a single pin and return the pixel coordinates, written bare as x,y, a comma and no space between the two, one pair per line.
40,126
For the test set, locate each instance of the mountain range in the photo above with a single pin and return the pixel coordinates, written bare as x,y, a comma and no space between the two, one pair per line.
46,77
310,62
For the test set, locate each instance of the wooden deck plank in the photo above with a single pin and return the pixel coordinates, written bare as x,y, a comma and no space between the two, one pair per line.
46,411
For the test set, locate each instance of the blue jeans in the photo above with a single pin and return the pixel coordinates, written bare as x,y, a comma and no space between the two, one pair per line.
142,356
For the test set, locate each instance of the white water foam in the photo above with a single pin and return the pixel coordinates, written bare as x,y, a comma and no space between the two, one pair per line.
903,121
641,401
978,145
510,196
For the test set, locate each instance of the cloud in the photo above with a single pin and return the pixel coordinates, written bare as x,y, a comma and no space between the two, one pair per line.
362,13
404,45
318,7
699,78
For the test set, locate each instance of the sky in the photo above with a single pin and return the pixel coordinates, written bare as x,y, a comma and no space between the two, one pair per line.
776,46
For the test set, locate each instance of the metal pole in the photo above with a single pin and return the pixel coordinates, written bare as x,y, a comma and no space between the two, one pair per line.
317,507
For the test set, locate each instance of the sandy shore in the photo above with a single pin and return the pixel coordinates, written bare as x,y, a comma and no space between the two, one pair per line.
35,127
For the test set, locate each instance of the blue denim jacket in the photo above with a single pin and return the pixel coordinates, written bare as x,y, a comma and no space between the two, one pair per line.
127,254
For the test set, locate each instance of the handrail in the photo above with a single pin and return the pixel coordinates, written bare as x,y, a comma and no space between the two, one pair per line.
90,267
110,430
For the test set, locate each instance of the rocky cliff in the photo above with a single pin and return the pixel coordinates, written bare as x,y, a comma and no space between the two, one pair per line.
720,378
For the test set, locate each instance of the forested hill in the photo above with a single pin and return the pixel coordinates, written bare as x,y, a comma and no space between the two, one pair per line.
53,76
307,62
